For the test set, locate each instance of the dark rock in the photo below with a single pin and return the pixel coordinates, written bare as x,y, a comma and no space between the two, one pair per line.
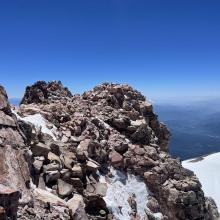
3,215
26,128
55,147
4,105
76,183
42,92
9,202
52,176
40,149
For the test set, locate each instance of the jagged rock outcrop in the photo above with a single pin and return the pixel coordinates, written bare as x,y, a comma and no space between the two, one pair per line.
112,125
42,92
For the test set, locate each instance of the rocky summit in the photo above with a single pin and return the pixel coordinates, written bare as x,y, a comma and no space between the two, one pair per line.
99,155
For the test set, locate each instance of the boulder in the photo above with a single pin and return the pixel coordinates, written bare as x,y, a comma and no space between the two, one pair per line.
54,158
48,197
77,207
68,160
51,167
40,149
64,188
153,204
14,172
38,164
116,159
77,171
92,166
55,147
52,176
6,120
76,183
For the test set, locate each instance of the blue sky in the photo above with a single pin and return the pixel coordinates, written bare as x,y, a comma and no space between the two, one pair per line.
163,48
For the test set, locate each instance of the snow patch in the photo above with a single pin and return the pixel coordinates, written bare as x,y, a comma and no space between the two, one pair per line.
207,170
39,122
120,188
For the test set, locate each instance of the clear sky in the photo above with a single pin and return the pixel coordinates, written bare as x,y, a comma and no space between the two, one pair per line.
163,48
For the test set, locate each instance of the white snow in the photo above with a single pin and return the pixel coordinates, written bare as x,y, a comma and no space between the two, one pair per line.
120,188
39,122
208,171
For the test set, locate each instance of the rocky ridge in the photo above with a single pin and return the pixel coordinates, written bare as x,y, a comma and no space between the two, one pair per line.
111,126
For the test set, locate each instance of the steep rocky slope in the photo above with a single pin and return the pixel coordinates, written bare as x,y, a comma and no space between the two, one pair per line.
83,151
207,170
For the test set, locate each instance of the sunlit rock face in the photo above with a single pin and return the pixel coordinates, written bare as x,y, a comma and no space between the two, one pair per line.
99,155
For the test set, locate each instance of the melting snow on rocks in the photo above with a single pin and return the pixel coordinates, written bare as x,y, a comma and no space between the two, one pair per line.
120,188
39,122
207,170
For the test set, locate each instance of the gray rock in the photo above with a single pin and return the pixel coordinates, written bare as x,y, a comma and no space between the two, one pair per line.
6,120
64,188
77,171
77,208
101,189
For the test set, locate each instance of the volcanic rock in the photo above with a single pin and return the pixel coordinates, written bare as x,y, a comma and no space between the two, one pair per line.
42,92
110,125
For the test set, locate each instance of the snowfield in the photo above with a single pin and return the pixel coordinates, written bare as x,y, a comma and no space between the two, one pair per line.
207,169
120,187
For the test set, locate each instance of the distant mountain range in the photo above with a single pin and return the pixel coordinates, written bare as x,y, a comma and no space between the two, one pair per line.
15,101
195,127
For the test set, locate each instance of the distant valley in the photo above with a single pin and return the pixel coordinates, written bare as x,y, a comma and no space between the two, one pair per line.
195,127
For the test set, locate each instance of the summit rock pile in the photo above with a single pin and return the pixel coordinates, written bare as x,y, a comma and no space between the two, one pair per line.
42,92
111,126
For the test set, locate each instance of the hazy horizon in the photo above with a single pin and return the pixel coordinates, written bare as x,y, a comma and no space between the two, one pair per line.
154,99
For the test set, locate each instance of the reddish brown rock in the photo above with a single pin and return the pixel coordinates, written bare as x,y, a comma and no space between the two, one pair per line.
116,159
